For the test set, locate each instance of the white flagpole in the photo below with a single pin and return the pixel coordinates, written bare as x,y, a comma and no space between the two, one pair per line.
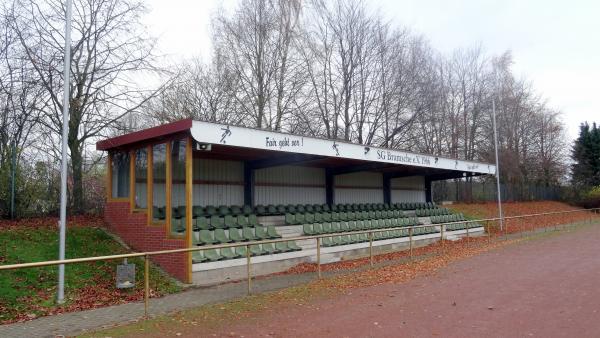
497,166
63,172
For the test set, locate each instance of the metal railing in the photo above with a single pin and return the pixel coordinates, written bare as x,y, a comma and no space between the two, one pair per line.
485,223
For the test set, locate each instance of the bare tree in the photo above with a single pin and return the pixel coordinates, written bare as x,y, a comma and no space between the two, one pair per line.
110,48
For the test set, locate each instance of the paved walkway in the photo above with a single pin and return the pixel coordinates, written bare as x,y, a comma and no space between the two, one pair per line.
546,287
78,322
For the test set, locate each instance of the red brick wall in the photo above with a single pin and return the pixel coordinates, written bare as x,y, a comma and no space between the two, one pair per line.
133,228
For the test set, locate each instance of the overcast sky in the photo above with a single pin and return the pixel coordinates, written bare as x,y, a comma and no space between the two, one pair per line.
555,44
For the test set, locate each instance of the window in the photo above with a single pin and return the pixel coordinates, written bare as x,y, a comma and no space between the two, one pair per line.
178,187
159,180
141,178
120,174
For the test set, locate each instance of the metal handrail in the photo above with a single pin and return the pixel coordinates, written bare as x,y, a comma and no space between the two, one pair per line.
318,238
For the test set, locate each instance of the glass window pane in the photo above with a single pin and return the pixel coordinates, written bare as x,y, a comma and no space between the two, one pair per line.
120,174
141,178
159,178
178,186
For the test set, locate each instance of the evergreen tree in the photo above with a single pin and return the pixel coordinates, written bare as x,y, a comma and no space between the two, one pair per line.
586,155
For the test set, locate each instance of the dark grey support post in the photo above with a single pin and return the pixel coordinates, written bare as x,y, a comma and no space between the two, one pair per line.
428,197
329,186
387,189
248,184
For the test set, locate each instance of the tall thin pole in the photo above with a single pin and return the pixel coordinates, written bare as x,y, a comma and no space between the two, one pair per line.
497,166
13,169
63,172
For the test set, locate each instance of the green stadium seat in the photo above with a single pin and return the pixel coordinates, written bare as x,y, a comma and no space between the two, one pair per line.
291,209
236,210
248,234
241,221
327,242
210,210
293,246
272,232
269,249
217,222
261,210
247,210
325,208
198,257
282,247
235,235
335,216
253,220
337,240
271,209
317,207
371,214
309,218
281,209
345,239
300,219
213,255
241,251
309,208
352,226
261,232
290,219
343,216
202,223
300,209
327,217
206,237
375,224
367,224
318,217
335,227
353,238
344,227
326,227
256,250
317,228
224,210
231,222
351,216
360,225
221,236
307,229
229,253
197,211
363,238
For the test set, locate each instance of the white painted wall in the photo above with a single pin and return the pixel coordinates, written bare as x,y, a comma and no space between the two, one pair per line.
408,189
222,182
360,187
289,185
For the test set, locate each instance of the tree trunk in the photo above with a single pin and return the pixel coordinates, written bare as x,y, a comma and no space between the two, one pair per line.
77,166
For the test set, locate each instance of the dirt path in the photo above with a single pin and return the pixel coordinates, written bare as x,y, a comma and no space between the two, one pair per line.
546,288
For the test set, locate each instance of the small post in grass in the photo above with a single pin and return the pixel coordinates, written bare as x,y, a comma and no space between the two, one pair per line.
319,257
371,248
248,269
410,236
442,235
489,235
146,284
468,238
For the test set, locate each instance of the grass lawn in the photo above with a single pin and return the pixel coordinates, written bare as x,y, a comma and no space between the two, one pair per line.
30,293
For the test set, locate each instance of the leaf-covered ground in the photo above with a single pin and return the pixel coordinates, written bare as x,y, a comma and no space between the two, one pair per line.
29,293
490,210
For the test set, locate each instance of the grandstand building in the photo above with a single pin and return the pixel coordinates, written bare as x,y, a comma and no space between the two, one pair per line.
191,183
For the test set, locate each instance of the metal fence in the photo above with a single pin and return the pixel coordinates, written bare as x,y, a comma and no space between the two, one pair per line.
487,223
485,191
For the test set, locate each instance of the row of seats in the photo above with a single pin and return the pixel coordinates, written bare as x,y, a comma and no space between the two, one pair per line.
296,219
227,222
213,255
221,236
415,205
447,218
380,235
431,212
262,210
461,226
336,227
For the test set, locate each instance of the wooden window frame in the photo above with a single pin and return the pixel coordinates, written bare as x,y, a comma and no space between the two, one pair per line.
109,192
132,207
